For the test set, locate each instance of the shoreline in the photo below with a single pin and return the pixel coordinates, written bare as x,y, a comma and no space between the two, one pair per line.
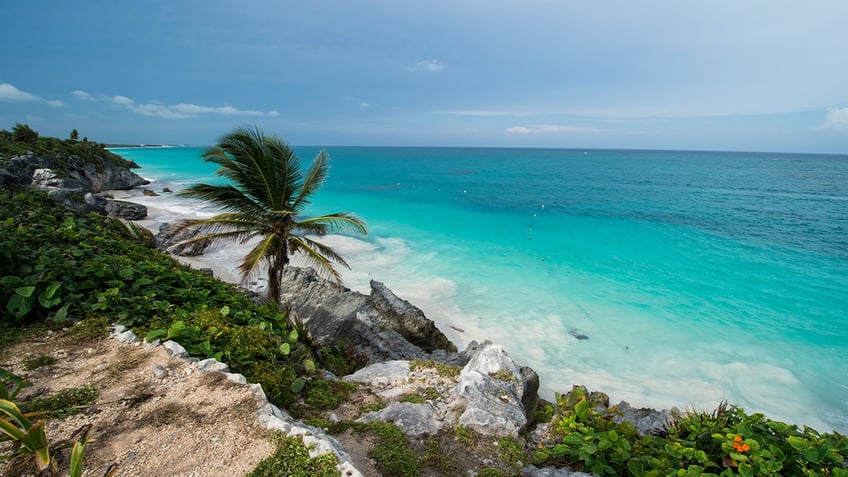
461,326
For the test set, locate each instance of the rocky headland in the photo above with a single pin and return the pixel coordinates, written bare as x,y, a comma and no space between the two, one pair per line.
427,386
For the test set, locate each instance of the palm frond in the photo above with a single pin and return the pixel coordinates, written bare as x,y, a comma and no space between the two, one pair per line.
318,255
339,222
315,177
225,196
249,266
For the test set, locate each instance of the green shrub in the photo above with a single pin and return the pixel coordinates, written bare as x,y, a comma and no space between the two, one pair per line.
291,459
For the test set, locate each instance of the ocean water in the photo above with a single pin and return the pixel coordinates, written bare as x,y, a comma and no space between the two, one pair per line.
664,278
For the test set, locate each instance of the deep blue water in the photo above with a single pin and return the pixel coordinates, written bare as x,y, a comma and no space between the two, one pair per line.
697,276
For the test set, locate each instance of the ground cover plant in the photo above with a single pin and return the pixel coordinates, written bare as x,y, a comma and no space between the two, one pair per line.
725,442
58,266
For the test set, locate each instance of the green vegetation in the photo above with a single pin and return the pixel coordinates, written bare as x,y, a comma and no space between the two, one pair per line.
503,375
291,459
444,370
23,139
327,394
38,361
265,198
60,266
727,442
29,444
391,450
61,404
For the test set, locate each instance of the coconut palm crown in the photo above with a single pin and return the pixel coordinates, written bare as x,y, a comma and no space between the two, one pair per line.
265,197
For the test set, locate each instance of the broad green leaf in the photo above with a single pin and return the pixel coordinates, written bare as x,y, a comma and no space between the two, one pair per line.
285,349
10,281
25,292
292,336
155,334
225,310
297,385
125,273
309,366
62,315
35,440
51,290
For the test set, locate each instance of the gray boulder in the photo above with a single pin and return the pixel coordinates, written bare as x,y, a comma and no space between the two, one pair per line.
125,210
533,471
647,421
333,313
491,390
408,320
412,418
73,172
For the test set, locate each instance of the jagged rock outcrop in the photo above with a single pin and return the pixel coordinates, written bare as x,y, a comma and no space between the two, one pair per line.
380,326
171,237
73,181
487,395
492,389
71,173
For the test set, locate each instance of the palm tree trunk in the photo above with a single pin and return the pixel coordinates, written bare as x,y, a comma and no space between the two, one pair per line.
276,268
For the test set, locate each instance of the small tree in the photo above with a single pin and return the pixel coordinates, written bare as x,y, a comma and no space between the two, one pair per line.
74,135
23,133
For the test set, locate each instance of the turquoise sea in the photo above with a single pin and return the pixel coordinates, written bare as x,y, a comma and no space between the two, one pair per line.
664,278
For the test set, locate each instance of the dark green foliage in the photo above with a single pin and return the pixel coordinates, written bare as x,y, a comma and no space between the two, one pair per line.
327,394
391,450
266,197
291,459
727,442
23,133
64,403
23,139
342,359
56,264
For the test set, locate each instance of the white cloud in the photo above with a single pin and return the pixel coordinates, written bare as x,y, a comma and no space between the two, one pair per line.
80,94
836,118
122,100
224,110
158,110
428,66
174,111
364,105
551,129
475,112
9,93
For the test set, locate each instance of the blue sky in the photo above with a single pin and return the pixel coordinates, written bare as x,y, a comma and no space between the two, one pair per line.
768,75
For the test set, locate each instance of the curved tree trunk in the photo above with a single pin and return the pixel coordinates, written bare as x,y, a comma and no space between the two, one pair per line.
275,277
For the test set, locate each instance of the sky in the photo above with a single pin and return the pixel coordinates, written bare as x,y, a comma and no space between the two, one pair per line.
744,75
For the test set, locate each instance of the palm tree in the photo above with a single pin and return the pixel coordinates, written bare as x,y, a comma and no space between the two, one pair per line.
264,198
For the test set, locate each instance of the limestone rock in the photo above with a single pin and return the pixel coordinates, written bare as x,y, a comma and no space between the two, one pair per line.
491,387
175,349
533,471
125,210
647,421
387,373
212,365
413,419
333,313
408,320
73,172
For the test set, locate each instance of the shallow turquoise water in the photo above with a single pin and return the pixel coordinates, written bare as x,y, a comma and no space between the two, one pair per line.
696,276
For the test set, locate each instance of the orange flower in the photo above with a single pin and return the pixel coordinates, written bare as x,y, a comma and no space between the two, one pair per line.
740,445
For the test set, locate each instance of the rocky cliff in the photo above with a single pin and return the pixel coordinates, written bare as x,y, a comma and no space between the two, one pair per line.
74,181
